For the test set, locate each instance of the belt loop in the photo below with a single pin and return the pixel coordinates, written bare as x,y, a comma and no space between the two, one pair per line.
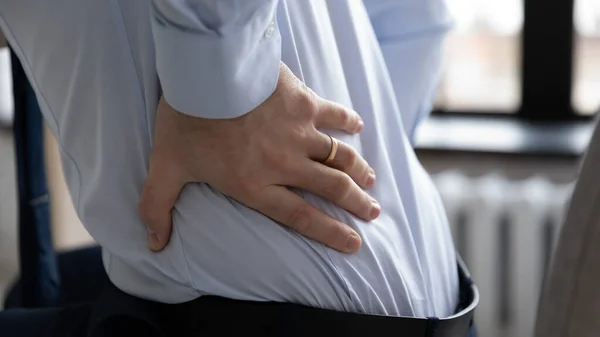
432,323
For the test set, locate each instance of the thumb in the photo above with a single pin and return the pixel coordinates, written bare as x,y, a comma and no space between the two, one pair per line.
159,194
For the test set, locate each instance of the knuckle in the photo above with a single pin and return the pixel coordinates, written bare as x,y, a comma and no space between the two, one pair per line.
344,115
300,219
238,175
247,186
307,105
341,188
242,181
351,158
278,160
299,134
148,213
233,187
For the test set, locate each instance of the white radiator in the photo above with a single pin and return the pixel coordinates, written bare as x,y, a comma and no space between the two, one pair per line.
505,231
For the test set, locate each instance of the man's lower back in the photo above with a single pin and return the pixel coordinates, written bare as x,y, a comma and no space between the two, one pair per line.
102,113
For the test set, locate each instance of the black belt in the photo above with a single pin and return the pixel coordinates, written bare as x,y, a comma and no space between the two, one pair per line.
217,316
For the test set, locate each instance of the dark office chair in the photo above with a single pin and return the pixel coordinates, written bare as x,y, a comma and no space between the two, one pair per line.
47,279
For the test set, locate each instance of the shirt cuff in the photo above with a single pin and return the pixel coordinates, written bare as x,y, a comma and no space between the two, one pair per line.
216,76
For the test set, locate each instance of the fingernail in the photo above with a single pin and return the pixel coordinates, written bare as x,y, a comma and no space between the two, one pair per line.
359,126
352,243
375,209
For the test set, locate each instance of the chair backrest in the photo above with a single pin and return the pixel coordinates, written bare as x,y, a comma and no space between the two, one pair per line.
40,283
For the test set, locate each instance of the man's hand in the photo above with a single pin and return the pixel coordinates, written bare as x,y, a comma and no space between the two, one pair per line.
254,157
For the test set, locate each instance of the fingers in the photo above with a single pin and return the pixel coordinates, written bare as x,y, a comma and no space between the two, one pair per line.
287,208
160,192
346,160
350,162
337,187
331,115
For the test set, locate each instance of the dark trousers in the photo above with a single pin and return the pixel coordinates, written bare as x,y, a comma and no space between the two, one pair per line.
70,321
82,278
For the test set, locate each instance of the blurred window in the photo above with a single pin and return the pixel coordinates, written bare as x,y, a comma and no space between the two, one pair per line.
586,84
482,70
6,94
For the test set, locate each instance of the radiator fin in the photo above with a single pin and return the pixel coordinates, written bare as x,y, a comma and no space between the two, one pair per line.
505,231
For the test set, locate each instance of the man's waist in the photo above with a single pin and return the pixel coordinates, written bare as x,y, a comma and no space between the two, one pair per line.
303,270
217,316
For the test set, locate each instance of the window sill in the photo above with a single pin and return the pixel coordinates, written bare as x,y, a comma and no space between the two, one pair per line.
503,135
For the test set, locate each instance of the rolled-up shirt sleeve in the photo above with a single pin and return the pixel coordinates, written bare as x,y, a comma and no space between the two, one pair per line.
216,58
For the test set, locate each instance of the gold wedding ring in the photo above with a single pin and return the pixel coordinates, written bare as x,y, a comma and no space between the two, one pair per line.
333,152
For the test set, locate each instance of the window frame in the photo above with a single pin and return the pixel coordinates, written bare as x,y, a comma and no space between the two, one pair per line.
546,67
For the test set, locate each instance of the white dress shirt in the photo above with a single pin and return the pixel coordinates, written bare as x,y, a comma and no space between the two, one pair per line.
99,67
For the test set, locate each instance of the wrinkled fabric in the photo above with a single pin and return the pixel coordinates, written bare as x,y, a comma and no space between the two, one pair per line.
97,68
